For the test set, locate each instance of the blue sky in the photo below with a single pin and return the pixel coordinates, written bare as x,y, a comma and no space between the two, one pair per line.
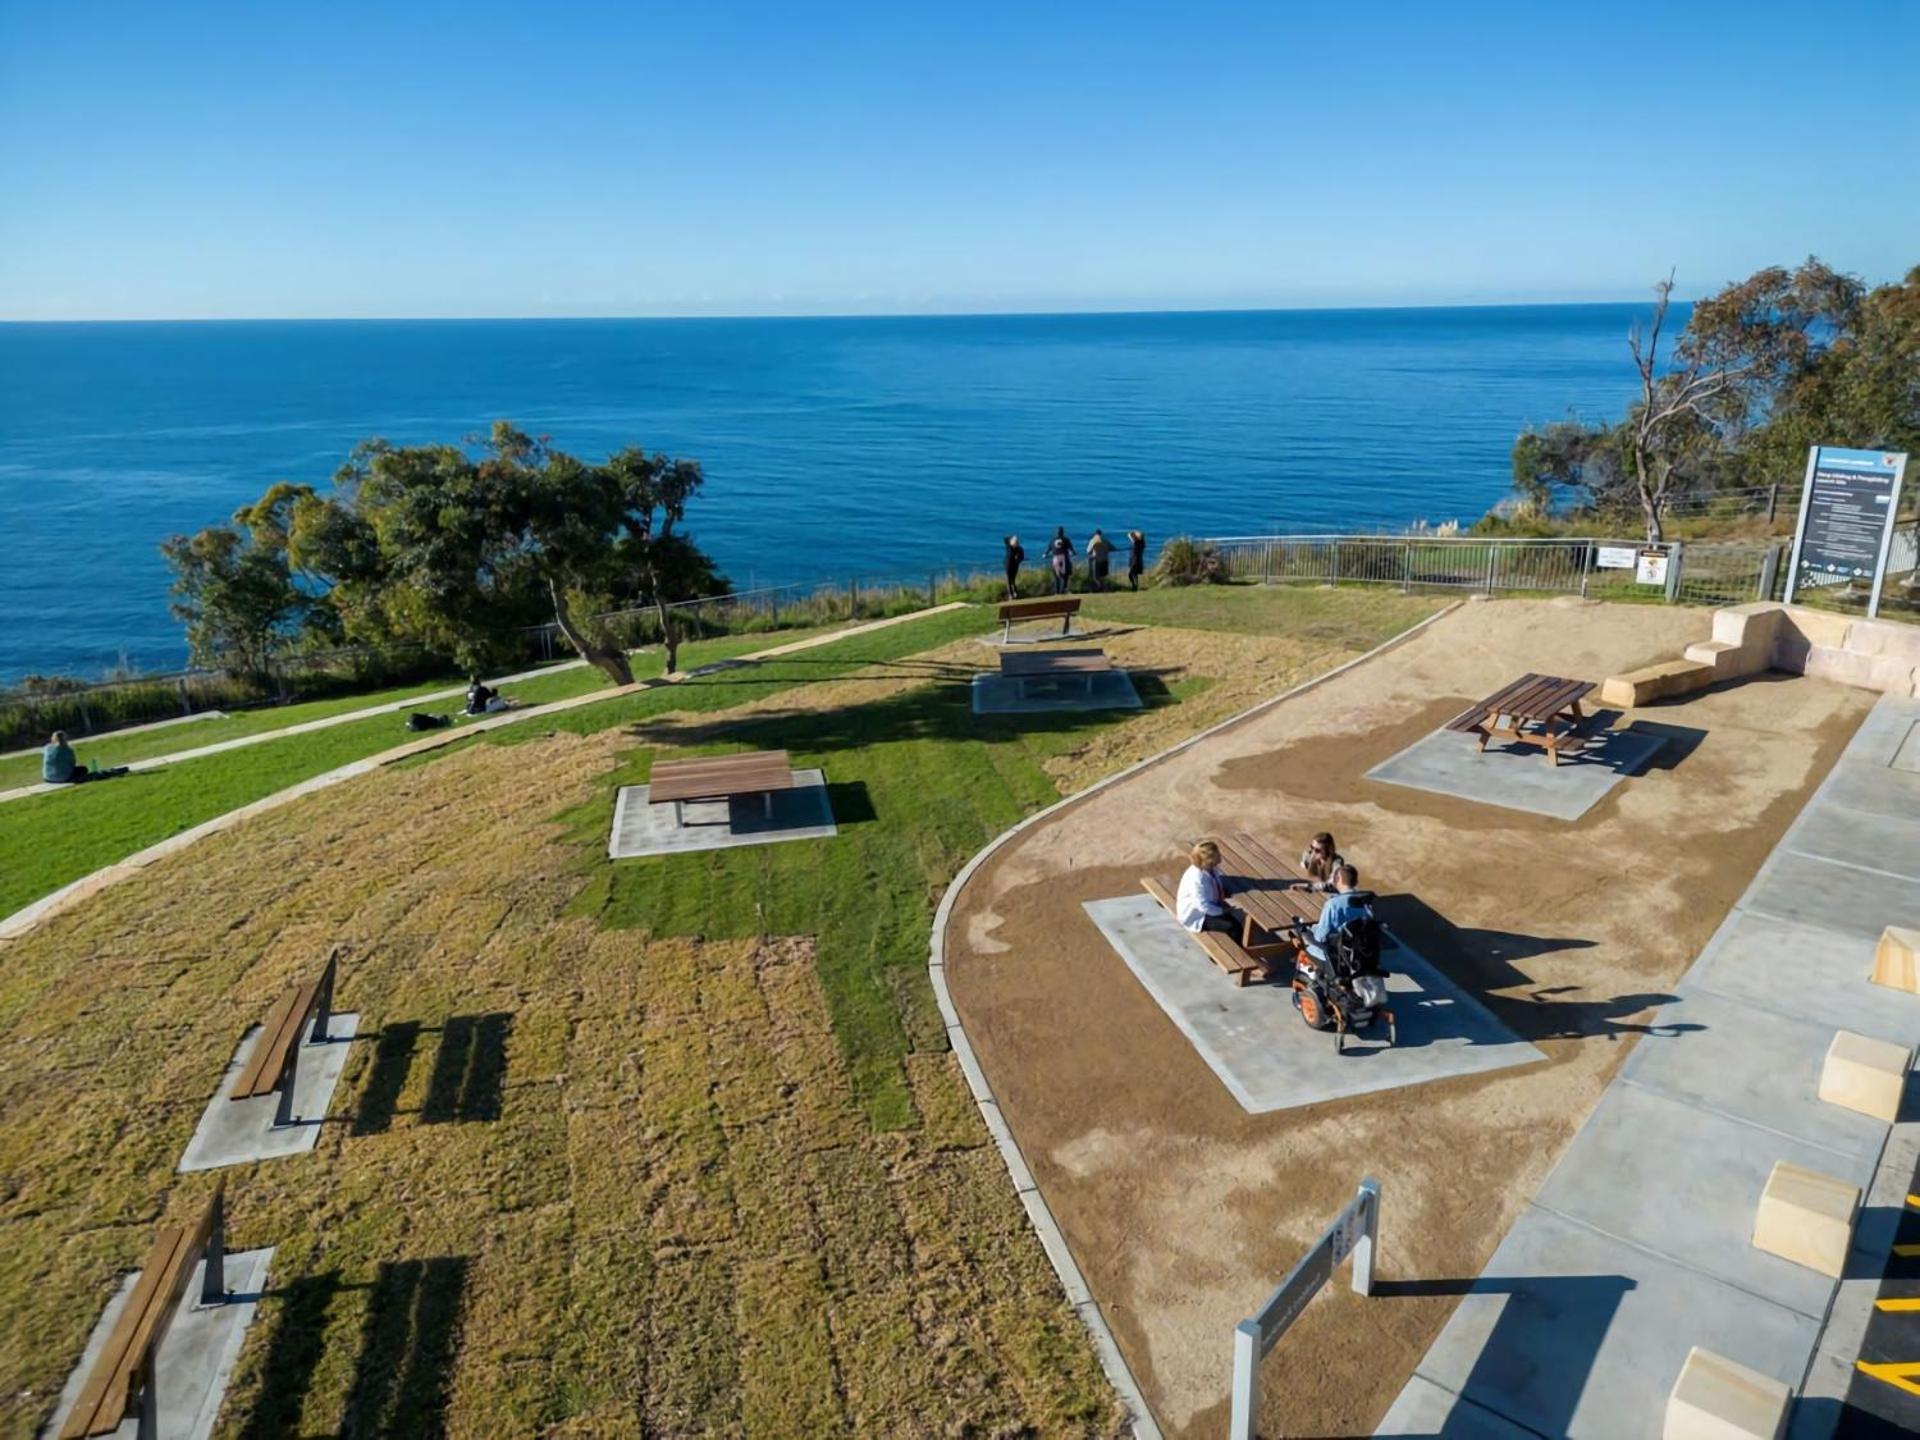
307,159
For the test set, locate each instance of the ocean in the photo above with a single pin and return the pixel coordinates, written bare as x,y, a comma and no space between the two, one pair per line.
832,447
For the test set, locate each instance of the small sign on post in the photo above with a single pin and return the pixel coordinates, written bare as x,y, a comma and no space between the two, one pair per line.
1614,557
1650,567
1353,1232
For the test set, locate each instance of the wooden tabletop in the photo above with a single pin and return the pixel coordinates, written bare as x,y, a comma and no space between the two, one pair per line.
1032,664
720,777
1265,886
1531,697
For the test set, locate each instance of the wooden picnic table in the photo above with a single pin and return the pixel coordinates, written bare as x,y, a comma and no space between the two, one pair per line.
1547,702
1270,894
720,777
1051,667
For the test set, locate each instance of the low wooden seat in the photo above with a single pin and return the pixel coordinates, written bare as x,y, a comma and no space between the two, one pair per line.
123,1371
1046,608
274,1064
1221,948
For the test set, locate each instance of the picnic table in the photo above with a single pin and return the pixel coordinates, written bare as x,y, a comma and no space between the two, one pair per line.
1546,702
1271,896
720,777
1053,667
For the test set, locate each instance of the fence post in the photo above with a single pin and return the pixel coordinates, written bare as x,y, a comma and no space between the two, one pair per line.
1586,563
1406,568
1676,561
1773,500
1246,1377
1266,557
1493,559
1769,572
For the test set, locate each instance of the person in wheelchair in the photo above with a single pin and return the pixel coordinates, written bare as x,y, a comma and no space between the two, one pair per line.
1347,904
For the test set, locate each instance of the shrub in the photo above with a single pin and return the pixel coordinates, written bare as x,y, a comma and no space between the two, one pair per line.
1186,561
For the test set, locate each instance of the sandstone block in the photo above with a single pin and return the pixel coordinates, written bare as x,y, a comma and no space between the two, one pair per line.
1806,1217
1717,1399
1655,682
1896,960
1820,627
1865,1074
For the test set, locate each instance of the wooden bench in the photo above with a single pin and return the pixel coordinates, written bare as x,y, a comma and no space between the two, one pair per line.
1547,702
123,1372
1052,667
719,777
1013,612
1226,952
275,1061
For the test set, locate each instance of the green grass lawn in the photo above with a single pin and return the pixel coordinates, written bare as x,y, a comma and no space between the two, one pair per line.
50,840
1359,615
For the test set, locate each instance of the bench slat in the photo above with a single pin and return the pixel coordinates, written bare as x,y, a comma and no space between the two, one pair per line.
720,777
1221,948
1039,609
282,1031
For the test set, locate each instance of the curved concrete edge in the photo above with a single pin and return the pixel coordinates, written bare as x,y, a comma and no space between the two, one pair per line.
1079,1295
29,918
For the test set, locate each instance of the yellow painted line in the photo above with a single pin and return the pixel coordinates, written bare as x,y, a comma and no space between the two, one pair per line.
1906,1249
1898,1307
1901,1377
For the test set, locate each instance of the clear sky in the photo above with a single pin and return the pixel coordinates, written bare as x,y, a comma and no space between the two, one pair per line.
166,158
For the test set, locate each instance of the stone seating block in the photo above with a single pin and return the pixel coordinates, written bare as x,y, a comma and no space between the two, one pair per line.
1806,1217
1717,1399
1864,1074
1655,682
1896,960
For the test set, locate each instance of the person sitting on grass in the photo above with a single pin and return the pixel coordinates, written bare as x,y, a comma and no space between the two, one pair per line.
1349,903
482,699
1201,903
57,765
1319,861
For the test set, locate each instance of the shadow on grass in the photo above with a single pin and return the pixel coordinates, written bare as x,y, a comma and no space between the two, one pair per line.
293,1355
403,1377
469,1070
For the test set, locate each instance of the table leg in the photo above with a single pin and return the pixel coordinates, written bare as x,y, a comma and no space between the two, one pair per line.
678,822
768,797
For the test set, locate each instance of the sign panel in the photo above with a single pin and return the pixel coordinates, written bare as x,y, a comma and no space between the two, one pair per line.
1846,516
1651,567
1615,557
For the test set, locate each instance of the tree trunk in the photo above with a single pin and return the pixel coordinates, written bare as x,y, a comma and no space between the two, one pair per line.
669,631
1651,499
613,662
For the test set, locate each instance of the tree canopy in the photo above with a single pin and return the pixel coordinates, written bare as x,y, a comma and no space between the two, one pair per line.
1763,369
457,550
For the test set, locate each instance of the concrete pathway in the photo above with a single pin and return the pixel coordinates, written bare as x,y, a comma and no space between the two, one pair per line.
305,727
30,917
1637,1246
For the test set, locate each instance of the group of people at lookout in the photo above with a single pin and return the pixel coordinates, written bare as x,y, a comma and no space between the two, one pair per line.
1059,556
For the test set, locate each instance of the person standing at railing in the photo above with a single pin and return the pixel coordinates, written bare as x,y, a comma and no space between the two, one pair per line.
1060,553
1015,558
1099,556
1136,557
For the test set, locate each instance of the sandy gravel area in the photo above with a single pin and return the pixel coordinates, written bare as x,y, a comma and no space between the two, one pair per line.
1183,1210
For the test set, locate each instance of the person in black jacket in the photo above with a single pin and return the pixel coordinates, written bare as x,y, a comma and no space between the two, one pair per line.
1060,553
1136,557
1015,557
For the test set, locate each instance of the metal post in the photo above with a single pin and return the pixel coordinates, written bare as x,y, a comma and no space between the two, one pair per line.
1246,1378
213,1285
1406,568
1773,500
283,1112
1586,563
1800,525
149,1428
1676,559
1769,572
1493,558
323,998
1370,1233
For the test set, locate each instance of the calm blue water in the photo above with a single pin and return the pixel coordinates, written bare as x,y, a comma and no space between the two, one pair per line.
832,446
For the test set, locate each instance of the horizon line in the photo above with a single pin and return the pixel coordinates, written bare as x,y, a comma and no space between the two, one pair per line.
1011,314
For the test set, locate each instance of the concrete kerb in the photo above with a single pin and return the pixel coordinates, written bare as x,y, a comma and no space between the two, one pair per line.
1072,1281
30,917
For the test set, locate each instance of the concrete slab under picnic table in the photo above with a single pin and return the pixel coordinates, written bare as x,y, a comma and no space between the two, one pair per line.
1517,776
999,695
1255,1042
641,829
233,1132
196,1355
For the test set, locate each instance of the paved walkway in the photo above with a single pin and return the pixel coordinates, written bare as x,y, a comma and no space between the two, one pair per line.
30,917
325,722
1638,1245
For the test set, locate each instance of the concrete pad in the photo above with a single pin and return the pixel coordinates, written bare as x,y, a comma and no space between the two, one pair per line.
1834,898
1853,786
1684,1183
1906,756
1268,1059
640,829
1571,1332
1755,1065
1424,1411
1517,777
196,1355
997,695
1828,832
1805,971
232,1132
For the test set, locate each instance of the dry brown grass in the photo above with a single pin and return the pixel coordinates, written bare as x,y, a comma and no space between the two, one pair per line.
577,1180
